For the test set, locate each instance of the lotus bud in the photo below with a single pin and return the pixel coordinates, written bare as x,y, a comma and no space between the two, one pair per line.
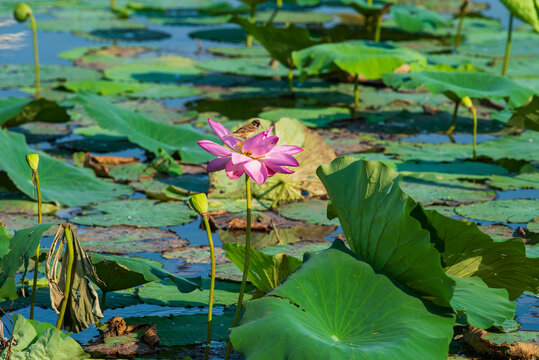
466,101
199,203
21,12
33,161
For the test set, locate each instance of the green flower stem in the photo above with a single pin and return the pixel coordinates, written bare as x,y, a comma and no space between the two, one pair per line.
472,109
103,301
369,2
378,27
278,5
249,36
112,4
212,285
356,91
462,15
246,263
36,263
508,45
67,289
454,123
36,56
291,80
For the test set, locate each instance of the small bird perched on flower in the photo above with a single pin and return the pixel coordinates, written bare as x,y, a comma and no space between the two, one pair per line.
248,130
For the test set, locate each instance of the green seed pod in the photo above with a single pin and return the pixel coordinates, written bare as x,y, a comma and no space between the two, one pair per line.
21,12
199,203
33,161
466,101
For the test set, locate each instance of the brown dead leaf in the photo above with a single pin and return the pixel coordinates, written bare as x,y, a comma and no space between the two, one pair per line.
113,160
237,224
516,350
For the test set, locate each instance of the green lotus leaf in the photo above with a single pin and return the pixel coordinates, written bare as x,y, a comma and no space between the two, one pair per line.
161,5
166,69
467,252
60,182
145,132
311,211
526,116
121,272
141,212
279,42
363,6
15,112
509,210
8,291
259,67
471,296
294,17
413,19
491,44
375,217
22,75
522,147
255,51
520,181
40,340
367,59
525,10
311,117
22,247
337,307
457,85
265,271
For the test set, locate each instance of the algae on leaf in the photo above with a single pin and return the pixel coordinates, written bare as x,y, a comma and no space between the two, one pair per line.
60,182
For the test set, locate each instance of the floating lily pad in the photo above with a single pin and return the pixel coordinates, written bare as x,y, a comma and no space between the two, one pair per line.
236,205
29,207
220,34
453,170
85,23
520,181
145,213
311,117
143,131
60,183
522,147
196,255
15,111
512,210
23,75
166,69
295,17
255,51
493,45
132,90
445,152
526,116
131,172
165,293
128,34
128,239
414,19
313,211
259,67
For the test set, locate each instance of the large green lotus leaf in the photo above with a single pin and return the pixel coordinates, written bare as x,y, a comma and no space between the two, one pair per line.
128,239
522,147
279,42
265,271
445,152
259,67
456,85
38,340
471,296
525,10
413,19
142,212
132,90
164,293
22,75
121,272
520,181
450,171
375,217
8,291
167,70
337,307
526,116
492,44
311,117
283,187
184,330
15,112
102,87
22,247
312,211
510,210
60,183
467,252
367,59
145,132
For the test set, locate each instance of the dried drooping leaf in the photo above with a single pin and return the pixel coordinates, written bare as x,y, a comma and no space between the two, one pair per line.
476,338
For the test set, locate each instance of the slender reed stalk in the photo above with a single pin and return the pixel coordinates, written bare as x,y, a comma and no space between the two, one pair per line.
462,15
67,289
508,45
246,263
249,36
212,285
356,91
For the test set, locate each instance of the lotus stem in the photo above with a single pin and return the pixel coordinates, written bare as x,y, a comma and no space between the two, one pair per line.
67,289
103,300
508,45
356,91
249,36
246,263
21,13
462,15
474,114
291,80
454,123
278,5
212,285
378,28
112,5
36,263
369,2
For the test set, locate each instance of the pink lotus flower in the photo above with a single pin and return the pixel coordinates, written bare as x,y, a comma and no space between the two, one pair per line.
257,156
